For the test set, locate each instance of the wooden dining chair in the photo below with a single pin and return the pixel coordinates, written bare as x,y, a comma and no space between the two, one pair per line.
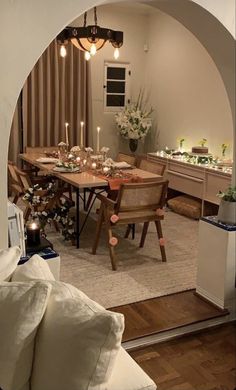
120,157
27,183
149,166
153,167
40,149
136,203
130,159
15,183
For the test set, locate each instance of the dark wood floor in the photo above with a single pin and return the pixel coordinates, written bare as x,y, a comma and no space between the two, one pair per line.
204,361
165,313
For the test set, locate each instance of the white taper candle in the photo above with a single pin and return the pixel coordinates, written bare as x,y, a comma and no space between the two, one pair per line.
81,133
98,144
67,136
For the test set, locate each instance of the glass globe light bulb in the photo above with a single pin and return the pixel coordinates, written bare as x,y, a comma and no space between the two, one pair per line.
87,55
116,53
93,50
63,51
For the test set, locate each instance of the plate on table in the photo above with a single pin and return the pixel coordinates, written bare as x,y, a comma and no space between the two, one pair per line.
66,170
123,165
47,160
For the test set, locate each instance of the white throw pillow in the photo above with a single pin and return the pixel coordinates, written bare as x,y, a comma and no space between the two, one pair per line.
35,268
22,306
77,342
9,259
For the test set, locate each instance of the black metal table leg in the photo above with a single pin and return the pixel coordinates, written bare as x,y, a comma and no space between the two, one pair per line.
85,199
77,218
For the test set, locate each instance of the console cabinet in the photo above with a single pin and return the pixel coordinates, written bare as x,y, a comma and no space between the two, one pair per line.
196,180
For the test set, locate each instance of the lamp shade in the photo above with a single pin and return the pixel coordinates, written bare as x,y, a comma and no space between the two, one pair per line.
85,44
90,38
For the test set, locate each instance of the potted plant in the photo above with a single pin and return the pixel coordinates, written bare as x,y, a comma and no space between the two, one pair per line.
227,208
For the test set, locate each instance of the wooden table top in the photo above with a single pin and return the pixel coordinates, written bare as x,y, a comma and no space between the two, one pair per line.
82,179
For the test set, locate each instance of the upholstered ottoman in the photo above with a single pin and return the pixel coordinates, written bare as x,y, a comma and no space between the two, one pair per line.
186,205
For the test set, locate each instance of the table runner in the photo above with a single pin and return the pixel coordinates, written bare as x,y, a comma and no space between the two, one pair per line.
115,182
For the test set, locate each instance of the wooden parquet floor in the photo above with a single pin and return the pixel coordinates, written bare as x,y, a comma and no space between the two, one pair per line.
203,361
165,313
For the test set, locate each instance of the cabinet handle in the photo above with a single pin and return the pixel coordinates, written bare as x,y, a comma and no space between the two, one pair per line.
185,176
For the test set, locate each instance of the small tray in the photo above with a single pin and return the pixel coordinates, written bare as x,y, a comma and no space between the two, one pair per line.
47,160
200,154
66,170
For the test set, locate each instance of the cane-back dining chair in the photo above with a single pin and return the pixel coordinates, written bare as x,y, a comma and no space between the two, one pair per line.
40,149
154,167
15,183
136,203
26,184
130,159
146,165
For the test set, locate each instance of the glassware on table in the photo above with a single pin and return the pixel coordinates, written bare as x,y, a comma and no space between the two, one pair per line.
62,151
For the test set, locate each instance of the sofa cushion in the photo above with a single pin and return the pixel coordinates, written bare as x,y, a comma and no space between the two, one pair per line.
77,342
22,306
8,262
127,375
35,268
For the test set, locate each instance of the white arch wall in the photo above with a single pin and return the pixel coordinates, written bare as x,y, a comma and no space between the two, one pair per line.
27,27
224,11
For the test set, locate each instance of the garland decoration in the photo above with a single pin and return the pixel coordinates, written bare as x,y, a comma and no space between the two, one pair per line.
39,197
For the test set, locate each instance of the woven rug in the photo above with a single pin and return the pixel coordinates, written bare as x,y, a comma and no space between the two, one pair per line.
141,274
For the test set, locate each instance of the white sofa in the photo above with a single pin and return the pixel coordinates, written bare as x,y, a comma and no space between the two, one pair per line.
53,337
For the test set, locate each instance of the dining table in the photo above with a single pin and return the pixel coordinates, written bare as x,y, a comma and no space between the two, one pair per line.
86,179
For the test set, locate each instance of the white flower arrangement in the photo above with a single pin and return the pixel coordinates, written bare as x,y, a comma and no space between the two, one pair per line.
134,121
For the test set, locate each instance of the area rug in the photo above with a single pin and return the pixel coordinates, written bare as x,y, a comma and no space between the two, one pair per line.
140,272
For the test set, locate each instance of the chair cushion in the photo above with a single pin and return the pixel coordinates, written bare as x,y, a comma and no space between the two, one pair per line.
35,268
77,342
186,205
22,306
9,259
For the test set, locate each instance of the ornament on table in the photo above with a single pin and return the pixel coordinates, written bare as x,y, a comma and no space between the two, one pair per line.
104,152
109,163
62,150
76,151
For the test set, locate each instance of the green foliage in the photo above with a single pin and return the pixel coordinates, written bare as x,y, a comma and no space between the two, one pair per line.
229,195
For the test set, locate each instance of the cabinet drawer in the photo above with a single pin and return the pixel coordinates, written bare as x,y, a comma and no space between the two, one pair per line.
185,169
215,183
188,184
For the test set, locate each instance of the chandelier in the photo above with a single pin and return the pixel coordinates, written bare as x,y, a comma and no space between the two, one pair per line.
90,39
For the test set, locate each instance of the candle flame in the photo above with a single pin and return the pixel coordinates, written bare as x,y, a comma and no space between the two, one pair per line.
81,124
66,124
98,129
33,226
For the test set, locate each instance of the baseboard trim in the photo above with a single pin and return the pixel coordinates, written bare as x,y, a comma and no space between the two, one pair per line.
209,297
176,333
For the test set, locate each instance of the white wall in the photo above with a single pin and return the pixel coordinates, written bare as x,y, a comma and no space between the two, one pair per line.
223,10
186,89
182,82
134,26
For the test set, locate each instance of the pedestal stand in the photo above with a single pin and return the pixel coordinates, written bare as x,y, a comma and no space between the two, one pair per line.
216,262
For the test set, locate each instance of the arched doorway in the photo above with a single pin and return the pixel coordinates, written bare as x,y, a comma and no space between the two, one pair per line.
18,60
